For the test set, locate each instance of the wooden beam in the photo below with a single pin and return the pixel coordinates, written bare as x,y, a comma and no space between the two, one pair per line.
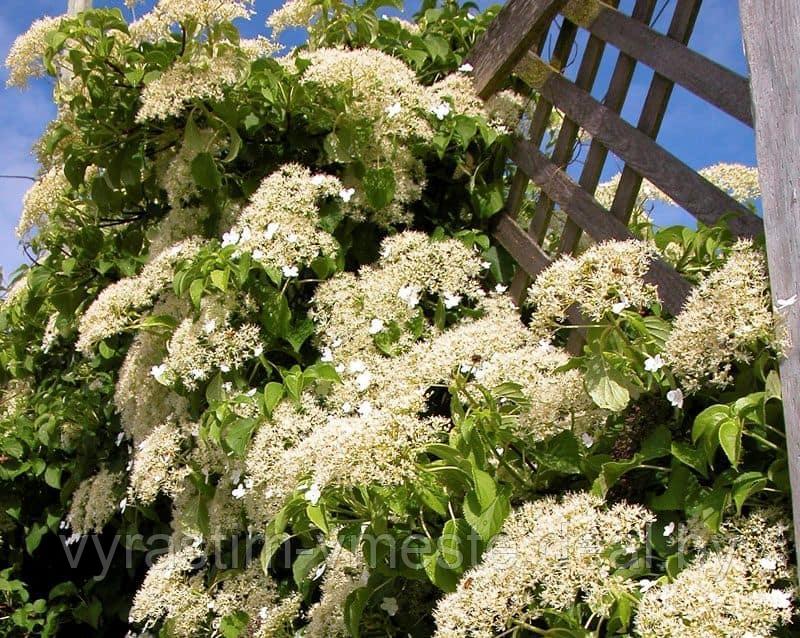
594,219
772,41
690,190
512,33
705,78
655,106
74,7
618,87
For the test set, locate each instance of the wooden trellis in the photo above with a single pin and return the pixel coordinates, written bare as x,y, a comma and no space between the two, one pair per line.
514,44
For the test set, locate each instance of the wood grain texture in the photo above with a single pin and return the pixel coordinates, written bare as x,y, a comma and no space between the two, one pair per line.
614,99
690,190
513,32
540,120
593,218
76,6
772,41
655,106
705,78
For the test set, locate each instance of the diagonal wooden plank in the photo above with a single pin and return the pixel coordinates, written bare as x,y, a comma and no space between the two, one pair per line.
710,81
621,79
686,187
540,119
513,32
593,218
655,106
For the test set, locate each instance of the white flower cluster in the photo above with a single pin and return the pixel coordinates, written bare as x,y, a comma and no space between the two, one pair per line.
725,316
551,554
94,502
42,198
116,307
25,56
607,278
352,310
280,225
730,591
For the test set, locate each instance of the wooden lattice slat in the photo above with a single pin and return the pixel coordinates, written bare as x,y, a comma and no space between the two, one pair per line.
618,87
672,62
684,185
708,80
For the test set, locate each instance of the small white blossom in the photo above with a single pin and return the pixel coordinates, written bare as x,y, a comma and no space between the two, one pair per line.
363,381
768,564
120,438
486,265
375,326
441,110
393,110
645,584
290,271
231,238
272,228
318,180
466,68
239,491
356,366
292,238
159,371
779,599
451,301
209,326
347,194
786,303
669,529
319,571
587,439
390,606
621,305
327,355
409,294
675,397
653,364
364,408
123,504
500,288
347,407
313,494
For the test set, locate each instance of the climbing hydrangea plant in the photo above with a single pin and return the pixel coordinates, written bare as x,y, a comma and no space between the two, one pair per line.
262,376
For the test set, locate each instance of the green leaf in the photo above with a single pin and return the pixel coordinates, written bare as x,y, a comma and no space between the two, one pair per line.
487,521
730,438
273,394
606,385
220,279
772,388
438,572
354,608
233,625
237,435
196,290
306,560
272,542
453,544
690,456
205,172
485,487
745,486
316,514
52,476
34,537
379,187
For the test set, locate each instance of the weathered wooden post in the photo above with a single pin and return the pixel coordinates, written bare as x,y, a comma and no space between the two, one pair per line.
76,6
772,41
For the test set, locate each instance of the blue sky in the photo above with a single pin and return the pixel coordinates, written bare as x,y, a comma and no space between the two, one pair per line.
696,132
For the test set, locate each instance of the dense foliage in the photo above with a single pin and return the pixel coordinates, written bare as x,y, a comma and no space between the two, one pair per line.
262,377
